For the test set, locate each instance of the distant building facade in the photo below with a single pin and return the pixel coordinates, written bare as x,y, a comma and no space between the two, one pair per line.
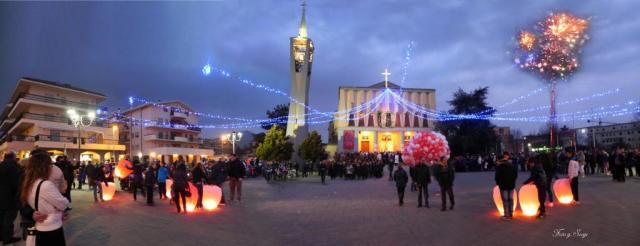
167,131
624,134
36,116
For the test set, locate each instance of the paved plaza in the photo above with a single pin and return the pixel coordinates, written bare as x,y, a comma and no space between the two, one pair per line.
305,212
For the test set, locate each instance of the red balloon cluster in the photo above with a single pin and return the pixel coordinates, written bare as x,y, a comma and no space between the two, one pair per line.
425,147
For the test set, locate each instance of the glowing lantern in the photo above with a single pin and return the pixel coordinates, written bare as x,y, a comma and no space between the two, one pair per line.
168,183
529,200
193,200
108,191
122,169
211,197
562,189
497,199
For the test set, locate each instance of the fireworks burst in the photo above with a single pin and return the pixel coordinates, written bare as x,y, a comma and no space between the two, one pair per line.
554,52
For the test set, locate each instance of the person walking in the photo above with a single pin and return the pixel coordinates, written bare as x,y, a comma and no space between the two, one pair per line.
199,179
180,187
539,179
322,170
149,183
98,178
572,173
163,174
137,180
237,172
422,180
44,197
445,174
401,178
505,177
9,197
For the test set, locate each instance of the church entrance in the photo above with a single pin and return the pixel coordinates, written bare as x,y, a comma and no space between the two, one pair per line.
389,141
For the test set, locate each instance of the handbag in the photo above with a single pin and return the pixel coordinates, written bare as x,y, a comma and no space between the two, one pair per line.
31,230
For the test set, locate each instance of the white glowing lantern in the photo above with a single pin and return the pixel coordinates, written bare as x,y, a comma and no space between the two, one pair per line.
497,199
211,197
108,191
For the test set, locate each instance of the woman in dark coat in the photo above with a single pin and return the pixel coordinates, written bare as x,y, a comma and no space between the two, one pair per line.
199,178
180,187
539,179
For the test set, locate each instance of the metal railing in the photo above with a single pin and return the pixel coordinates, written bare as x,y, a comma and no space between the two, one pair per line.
60,139
173,138
58,101
51,118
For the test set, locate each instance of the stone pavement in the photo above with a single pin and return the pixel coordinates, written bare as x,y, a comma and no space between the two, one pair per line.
305,212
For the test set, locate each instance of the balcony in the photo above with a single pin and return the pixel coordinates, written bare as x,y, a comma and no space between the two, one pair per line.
179,115
168,125
58,101
152,137
67,142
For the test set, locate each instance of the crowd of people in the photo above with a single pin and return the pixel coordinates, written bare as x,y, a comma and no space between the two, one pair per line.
39,189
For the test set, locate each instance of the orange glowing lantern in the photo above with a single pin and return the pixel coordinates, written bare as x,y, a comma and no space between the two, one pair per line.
169,184
108,191
211,196
193,200
562,189
497,199
529,200
122,169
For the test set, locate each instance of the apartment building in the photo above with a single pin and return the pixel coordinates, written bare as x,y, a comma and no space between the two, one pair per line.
46,114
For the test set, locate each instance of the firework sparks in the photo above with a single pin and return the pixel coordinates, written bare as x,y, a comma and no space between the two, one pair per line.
554,52
527,40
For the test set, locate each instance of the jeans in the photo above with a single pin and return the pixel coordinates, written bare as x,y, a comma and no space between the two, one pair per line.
200,192
423,189
443,193
541,199
548,188
180,194
149,194
6,218
235,184
162,189
67,192
507,202
574,189
97,189
401,194
137,186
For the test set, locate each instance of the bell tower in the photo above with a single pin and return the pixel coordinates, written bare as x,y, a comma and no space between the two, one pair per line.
301,48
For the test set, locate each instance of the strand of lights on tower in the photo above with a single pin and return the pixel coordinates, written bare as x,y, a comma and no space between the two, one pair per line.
405,66
576,100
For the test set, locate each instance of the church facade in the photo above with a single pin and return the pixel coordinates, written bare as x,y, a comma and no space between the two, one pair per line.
383,126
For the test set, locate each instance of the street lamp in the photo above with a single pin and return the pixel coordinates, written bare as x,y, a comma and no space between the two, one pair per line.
78,122
233,137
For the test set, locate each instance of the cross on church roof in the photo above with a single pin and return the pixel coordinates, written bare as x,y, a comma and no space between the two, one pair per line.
386,77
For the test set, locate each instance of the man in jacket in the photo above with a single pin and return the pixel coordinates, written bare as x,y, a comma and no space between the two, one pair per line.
550,171
149,183
322,170
9,197
219,174
445,174
539,179
67,172
506,175
401,179
237,172
572,173
422,179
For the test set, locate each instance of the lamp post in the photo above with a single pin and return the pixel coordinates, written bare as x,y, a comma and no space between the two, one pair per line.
233,137
78,122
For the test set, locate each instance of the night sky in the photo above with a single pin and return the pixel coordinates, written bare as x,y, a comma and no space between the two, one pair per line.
156,50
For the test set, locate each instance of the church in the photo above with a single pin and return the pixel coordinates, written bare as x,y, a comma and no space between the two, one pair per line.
366,122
